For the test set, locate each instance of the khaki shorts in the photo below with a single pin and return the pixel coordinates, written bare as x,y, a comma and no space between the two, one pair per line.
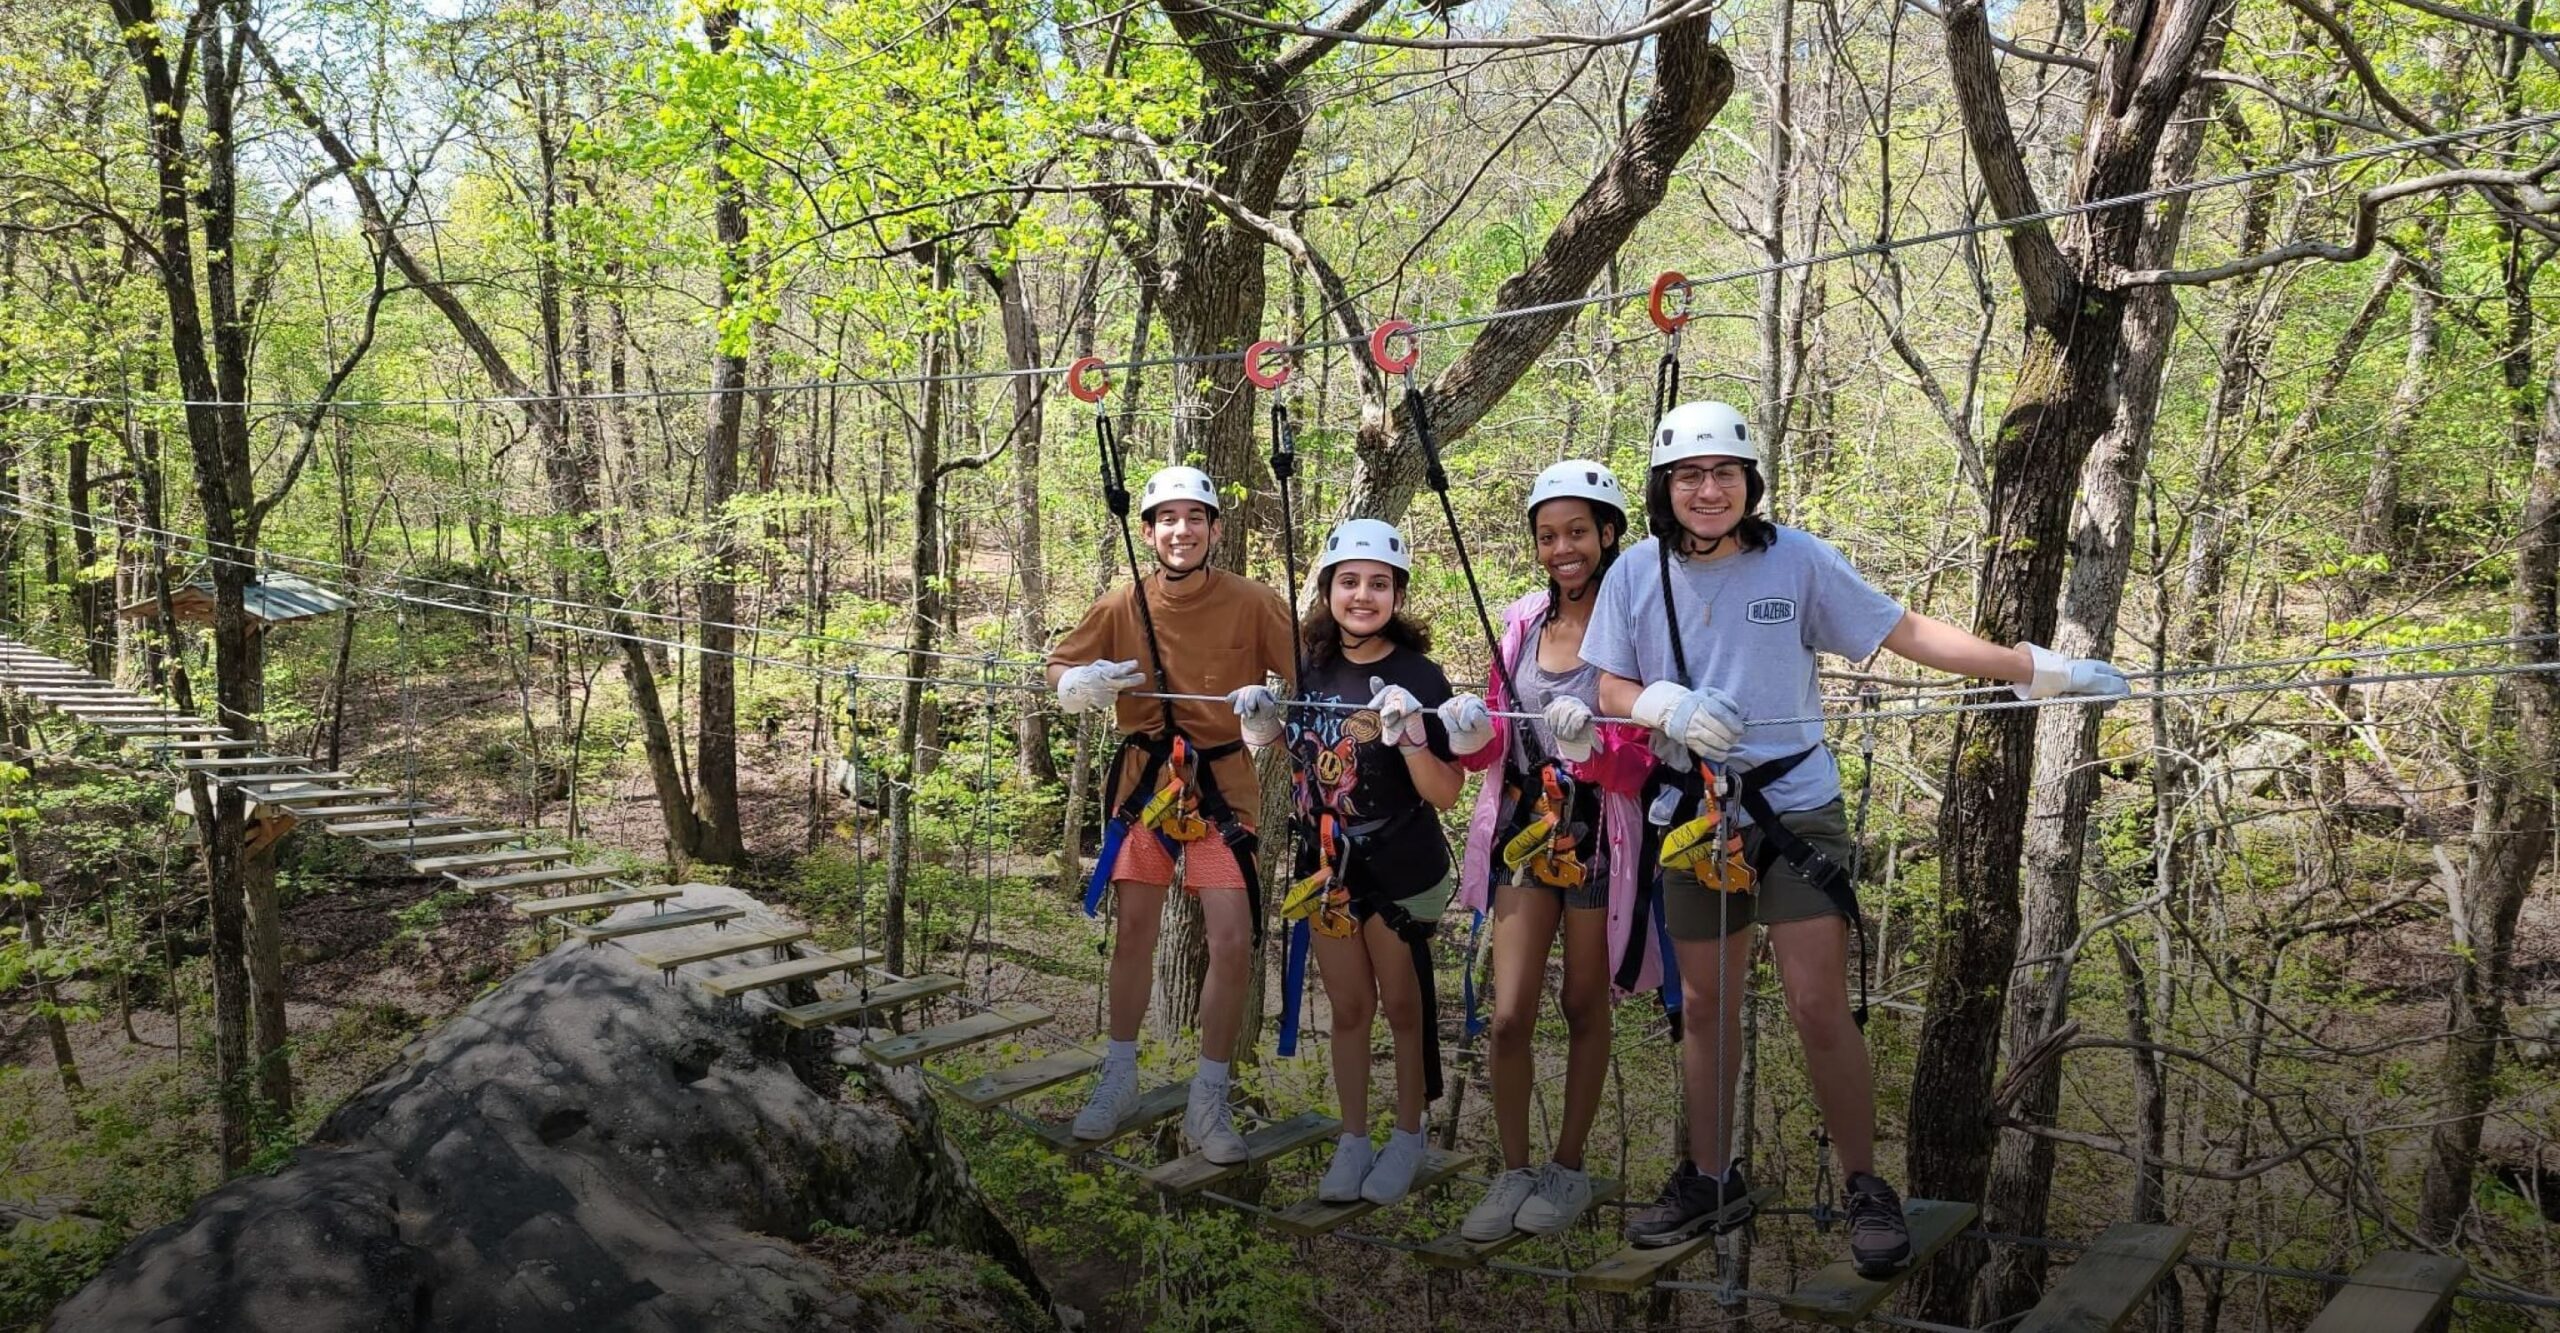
1695,912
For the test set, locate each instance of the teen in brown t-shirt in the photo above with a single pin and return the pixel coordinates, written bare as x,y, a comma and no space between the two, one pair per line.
1221,634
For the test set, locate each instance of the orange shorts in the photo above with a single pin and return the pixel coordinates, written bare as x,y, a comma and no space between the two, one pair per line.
1208,863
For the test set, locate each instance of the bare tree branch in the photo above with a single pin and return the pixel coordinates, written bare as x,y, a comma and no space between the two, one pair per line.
2524,186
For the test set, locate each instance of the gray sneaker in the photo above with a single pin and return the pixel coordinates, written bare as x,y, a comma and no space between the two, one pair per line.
1492,1219
1879,1237
1114,1095
1561,1196
1692,1202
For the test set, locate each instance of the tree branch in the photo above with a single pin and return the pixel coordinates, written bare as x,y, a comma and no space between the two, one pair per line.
2526,188
2044,275
320,406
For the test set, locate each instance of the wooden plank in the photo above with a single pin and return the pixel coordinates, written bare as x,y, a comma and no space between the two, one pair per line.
1159,1103
275,779
997,1087
543,909
242,763
179,728
323,795
2109,1280
360,811
669,959
451,866
729,985
1837,1295
360,828
532,879
162,747
444,842
856,1007
1456,1251
2396,1291
930,1042
1315,1217
645,925
1634,1268
1191,1173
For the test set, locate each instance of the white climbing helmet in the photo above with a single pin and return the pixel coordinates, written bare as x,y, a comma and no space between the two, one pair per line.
1703,430
1366,539
1578,479
1178,483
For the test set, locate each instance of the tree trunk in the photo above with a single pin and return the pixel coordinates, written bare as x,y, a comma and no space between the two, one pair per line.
2062,398
924,616
2378,519
2019,1192
2510,835
48,995
715,767
1021,352
89,593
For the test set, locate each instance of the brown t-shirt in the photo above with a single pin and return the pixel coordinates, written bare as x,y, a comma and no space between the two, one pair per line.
1221,632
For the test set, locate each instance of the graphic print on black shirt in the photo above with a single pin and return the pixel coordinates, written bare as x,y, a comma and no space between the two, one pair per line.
1345,766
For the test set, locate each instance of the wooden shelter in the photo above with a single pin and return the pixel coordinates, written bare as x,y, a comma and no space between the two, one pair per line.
271,599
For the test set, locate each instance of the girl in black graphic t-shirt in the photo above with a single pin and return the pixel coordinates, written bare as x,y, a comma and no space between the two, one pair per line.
1375,769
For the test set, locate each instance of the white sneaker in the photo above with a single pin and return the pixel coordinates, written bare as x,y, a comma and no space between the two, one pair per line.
1210,1127
1353,1155
1561,1195
1491,1219
1114,1095
1392,1178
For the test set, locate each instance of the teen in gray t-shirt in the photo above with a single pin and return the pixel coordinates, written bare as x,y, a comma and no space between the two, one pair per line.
1753,603
1751,624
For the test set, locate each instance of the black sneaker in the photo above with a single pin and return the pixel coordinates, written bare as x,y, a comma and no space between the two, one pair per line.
1879,1238
1692,1202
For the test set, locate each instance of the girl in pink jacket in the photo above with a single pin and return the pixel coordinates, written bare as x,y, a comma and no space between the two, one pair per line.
1580,871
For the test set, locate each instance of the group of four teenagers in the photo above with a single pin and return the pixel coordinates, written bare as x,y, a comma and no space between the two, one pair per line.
1716,807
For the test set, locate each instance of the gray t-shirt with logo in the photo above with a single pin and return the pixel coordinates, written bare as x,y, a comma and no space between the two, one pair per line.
1751,624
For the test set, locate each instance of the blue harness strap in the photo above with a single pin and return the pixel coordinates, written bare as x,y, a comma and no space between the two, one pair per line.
1475,1021
1113,832
1671,995
1293,987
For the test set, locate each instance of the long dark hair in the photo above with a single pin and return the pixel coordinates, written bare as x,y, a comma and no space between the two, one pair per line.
1753,532
1611,519
1321,635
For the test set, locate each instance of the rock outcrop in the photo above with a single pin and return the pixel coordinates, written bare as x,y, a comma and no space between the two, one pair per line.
585,1147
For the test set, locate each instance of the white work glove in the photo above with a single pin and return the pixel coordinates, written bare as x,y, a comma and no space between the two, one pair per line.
1569,722
1469,722
1706,723
1259,710
1399,715
2059,675
1096,685
1668,752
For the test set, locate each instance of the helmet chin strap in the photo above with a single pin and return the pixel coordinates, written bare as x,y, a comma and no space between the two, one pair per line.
1689,543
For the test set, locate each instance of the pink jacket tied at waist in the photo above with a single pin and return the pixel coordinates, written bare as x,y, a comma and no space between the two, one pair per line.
1617,766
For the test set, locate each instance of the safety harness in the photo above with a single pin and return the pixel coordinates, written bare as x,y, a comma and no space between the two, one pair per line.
1189,805
1699,836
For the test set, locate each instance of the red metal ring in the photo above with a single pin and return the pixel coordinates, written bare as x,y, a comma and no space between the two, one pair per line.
1387,333
1253,369
1667,321
1091,393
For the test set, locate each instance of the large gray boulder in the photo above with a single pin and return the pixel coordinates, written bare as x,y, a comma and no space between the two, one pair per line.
584,1147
